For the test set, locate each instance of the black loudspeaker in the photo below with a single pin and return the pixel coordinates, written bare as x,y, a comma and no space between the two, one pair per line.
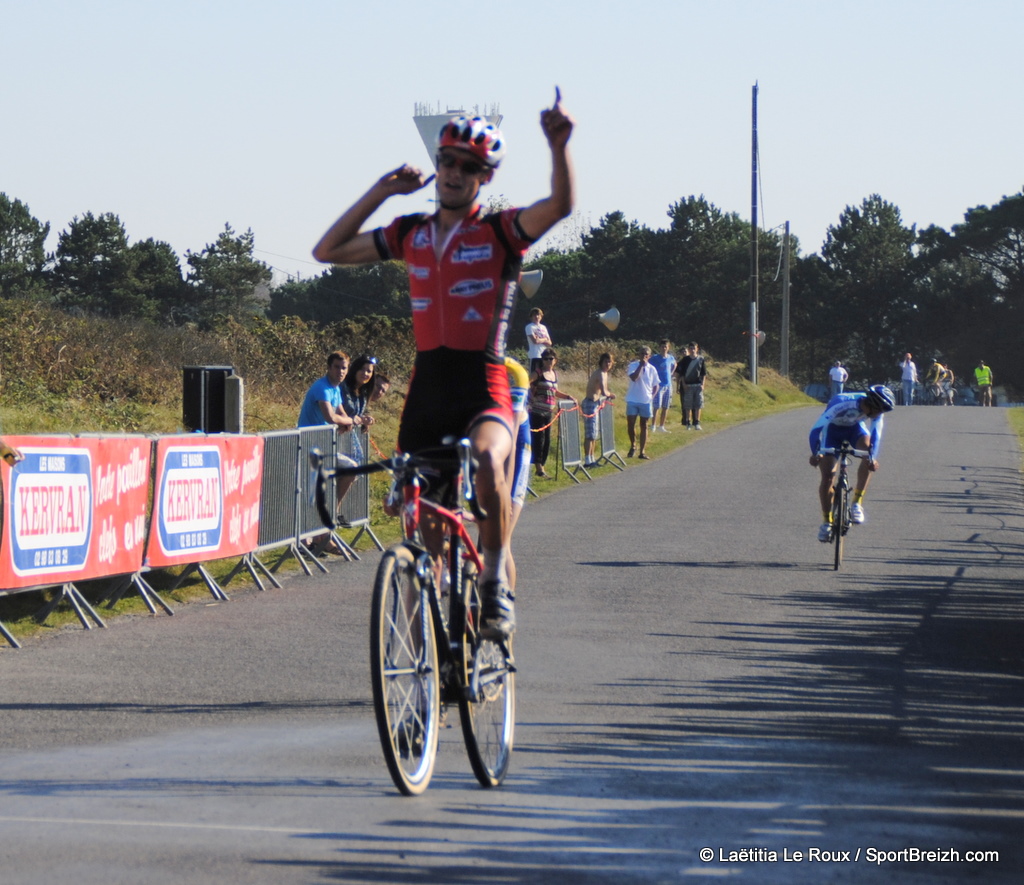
202,398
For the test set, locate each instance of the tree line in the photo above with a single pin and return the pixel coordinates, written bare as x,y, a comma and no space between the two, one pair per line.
95,270
877,289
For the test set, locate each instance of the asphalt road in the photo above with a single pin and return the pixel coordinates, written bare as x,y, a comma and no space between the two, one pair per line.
693,675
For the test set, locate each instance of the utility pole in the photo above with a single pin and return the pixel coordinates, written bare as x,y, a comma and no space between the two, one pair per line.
784,359
753,241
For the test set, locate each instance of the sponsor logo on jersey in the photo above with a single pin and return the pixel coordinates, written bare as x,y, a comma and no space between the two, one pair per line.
421,273
420,304
472,316
847,416
469,288
470,254
421,239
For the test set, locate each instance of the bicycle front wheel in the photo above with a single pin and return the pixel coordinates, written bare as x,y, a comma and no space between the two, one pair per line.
404,671
487,707
840,522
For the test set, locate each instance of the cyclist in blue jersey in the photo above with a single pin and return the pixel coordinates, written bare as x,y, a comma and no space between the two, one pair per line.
856,418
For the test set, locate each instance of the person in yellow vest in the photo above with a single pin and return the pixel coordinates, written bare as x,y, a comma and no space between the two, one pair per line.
983,378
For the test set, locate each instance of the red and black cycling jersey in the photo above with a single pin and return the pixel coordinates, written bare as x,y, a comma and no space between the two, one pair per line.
464,300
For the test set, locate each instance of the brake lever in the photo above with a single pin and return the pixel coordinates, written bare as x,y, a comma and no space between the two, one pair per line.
468,491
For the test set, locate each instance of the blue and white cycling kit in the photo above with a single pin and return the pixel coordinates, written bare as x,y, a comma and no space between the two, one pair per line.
843,420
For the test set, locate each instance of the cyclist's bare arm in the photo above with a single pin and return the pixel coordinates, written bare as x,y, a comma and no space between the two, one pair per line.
344,243
538,219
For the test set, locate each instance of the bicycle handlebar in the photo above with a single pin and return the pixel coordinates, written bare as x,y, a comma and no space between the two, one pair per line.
438,458
845,450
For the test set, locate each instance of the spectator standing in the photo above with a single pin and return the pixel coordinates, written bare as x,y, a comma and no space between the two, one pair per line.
908,377
643,385
537,338
983,379
665,364
544,396
692,373
837,376
356,391
598,392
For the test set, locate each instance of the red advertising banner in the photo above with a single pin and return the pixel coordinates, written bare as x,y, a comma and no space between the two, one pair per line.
206,499
74,509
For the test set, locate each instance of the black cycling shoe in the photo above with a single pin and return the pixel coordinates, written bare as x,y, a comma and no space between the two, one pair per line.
498,613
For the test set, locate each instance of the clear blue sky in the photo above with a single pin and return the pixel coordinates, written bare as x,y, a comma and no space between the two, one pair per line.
181,115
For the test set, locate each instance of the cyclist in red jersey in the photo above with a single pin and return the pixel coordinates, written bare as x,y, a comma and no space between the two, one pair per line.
463,266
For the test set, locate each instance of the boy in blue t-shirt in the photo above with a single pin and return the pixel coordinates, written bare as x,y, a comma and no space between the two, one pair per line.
665,364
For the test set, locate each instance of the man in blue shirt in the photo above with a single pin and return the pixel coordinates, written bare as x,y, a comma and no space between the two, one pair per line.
857,419
665,364
322,405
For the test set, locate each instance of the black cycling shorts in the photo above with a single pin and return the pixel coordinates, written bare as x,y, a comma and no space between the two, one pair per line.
450,392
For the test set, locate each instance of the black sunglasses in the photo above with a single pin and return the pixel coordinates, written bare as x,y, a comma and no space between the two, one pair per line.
469,167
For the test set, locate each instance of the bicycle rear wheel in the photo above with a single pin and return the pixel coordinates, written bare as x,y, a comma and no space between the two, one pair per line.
404,671
840,522
487,707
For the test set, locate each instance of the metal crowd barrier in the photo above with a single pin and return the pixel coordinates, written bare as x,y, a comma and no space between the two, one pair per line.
355,508
288,515
606,439
570,441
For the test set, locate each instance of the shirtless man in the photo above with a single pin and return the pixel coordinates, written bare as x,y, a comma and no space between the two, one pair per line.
597,392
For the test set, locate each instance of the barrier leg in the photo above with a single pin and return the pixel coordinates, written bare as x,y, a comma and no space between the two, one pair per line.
78,602
215,590
611,458
211,584
571,473
301,551
113,596
250,561
246,562
341,543
148,594
7,635
365,529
